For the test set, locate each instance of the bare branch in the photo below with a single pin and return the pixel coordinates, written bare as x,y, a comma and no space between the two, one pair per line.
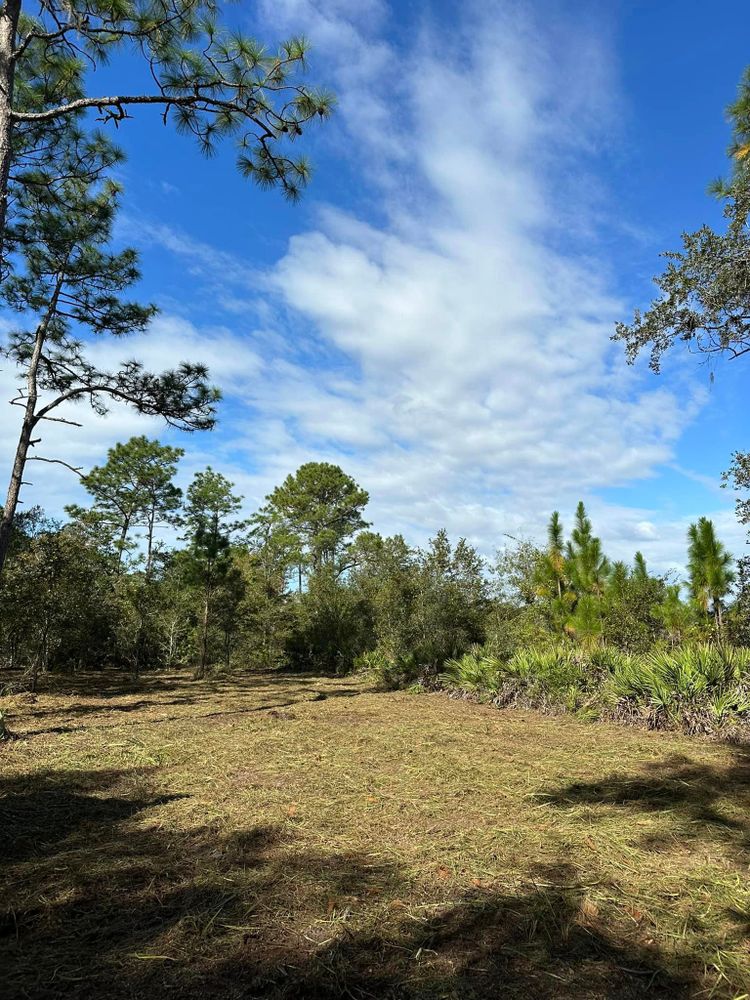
55,461
62,420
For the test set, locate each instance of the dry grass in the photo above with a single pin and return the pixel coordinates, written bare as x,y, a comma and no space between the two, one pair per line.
239,839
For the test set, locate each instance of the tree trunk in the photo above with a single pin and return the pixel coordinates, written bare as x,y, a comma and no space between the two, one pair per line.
16,479
201,671
9,14
121,544
30,419
150,543
172,646
22,448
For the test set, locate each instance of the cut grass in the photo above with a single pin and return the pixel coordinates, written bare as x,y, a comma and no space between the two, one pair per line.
246,838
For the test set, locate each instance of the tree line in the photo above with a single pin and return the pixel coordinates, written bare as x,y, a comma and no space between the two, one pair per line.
143,576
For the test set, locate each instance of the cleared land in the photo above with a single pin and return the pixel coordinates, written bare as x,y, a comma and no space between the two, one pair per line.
237,838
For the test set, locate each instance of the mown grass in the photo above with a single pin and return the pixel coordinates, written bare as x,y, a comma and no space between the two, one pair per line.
251,838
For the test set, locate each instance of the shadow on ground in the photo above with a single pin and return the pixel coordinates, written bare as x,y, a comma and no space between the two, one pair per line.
702,802
105,895
218,696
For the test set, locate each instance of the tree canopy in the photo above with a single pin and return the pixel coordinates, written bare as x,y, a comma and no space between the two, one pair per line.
704,300
206,77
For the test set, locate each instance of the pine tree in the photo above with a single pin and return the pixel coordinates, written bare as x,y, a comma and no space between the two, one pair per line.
640,569
133,489
555,555
674,614
208,566
710,570
587,564
323,507
72,284
211,82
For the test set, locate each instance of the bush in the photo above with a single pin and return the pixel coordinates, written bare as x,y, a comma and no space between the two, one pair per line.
389,673
701,687
509,629
534,677
698,686
474,671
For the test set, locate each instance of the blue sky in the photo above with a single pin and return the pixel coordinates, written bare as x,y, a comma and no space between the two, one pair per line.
491,196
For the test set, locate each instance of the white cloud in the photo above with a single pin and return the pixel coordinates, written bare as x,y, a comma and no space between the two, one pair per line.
477,326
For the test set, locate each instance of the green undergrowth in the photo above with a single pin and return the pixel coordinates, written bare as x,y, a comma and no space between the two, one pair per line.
700,688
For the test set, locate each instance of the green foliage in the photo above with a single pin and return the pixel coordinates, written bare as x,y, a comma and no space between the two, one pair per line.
322,508
58,607
58,269
632,606
572,590
688,681
562,629
555,677
385,577
710,570
508,628
475,671
676,617
327,633
704,300
522,573
211,81
70,283
207,565
738,477
587,565
387,672
450,603
133,489
700,687
267,610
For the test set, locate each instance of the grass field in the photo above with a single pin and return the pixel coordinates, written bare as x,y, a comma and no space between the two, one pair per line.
271,836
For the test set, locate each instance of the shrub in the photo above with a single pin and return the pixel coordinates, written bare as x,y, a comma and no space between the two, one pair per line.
696,685
701,687
474,671
389,673
509,629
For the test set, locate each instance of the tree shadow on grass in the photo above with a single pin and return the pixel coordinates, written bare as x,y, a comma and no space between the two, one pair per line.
105,894
702,801
295,697
110,684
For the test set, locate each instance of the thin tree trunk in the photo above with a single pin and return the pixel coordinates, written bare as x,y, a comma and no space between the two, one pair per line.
201,673
30,420
172,647
139,643
22,448
35,672
121,544
9,14
150,543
